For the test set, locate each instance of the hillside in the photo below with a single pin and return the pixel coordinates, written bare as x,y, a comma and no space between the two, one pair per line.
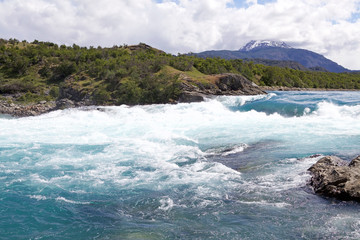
52,77
67,76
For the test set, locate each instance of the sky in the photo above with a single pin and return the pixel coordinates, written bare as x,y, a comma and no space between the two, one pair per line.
328,27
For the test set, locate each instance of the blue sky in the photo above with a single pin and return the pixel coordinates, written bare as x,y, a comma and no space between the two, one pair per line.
236,3
244,4
328,27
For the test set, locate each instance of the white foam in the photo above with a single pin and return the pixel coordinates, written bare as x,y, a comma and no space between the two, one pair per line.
226,150
62,199
344,222
287,174
330,110
235,150
159,146
242,100
38,197
166,204
265,203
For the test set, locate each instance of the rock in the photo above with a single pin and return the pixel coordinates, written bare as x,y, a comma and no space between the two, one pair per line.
64,103
221,84
25,110
237,84
42,102
333,177
187,97
355,163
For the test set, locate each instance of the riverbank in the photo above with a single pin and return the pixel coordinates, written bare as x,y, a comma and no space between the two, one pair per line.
25,110
226,84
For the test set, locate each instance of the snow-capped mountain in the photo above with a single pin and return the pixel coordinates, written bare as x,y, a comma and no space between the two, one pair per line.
263,43
278,51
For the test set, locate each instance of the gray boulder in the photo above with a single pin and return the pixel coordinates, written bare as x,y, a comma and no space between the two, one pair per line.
237,84
336,178
188,97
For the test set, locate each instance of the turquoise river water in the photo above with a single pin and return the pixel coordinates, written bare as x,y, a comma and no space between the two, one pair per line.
231,167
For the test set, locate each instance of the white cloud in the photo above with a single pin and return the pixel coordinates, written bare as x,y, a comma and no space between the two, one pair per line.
322,26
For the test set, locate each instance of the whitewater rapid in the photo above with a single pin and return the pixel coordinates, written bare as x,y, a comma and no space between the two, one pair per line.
213,169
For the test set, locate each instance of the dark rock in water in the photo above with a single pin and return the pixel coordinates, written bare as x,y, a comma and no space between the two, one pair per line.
333,177
189,97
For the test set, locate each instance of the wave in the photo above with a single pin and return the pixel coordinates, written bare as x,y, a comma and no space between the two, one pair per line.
233,101
226,150
295,106
62,199
334,111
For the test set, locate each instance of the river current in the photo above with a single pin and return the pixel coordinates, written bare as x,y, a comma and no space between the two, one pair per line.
232,167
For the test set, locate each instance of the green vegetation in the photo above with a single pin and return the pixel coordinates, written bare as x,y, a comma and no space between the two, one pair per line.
132,74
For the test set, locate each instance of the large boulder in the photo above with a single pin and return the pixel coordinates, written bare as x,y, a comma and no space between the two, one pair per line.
188,97
237,84
334,177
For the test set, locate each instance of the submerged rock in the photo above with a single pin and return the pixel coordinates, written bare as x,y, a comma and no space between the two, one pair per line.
333,177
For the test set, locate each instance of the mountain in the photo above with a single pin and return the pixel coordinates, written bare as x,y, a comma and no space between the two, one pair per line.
279,51
284,64
262,44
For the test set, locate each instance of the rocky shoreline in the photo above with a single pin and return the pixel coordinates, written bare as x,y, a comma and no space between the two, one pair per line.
14,109
25,110
333,177
191,91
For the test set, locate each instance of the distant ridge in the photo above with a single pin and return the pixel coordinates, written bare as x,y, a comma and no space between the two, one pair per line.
279,51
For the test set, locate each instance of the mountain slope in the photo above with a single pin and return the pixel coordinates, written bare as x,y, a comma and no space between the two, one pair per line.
264,43
253,50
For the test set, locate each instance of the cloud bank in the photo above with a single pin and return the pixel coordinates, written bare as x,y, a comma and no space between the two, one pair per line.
329,27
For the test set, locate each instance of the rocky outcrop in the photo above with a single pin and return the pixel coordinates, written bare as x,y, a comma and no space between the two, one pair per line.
334,177
231,84
222,84
78,96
